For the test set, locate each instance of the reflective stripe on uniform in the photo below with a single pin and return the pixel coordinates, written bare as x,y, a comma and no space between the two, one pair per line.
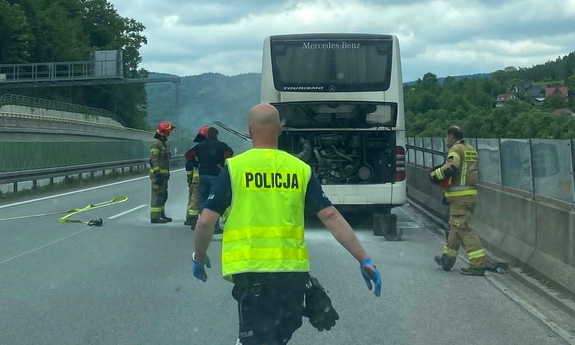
453,154
439,174
449,252
156,209
476,254
155,151
460,193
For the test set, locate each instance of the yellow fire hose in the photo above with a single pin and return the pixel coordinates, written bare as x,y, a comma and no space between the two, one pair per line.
75,211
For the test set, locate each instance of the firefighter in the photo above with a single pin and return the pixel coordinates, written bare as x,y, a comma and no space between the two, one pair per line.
193,177
458,178
160,172
209,157
264,253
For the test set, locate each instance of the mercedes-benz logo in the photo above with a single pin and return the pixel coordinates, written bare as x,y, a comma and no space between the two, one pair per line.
331,88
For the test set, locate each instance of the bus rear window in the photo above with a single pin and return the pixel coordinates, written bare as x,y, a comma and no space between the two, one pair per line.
331,65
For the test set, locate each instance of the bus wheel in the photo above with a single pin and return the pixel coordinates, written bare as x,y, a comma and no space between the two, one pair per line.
386,225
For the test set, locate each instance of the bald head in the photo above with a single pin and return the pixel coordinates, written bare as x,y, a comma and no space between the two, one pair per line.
264,115
264,125
456,132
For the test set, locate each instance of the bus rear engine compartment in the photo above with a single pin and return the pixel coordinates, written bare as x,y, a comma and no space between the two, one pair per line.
345,157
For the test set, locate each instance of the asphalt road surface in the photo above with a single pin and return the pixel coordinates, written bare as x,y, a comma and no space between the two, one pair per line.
130,282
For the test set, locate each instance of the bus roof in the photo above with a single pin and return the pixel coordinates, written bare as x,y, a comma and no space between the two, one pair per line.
330,35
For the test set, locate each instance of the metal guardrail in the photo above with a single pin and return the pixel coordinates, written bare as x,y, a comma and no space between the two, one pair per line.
13,99
50,173
539,168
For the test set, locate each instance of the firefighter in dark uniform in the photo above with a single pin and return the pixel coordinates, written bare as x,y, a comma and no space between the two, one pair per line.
160,172
209,158
193,177
458,178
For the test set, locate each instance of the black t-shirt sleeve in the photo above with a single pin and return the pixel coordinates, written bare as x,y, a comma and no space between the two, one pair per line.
221,196
315,198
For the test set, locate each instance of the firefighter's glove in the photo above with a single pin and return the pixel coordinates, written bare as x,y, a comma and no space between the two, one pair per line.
444,201
198,269
371,274
318,307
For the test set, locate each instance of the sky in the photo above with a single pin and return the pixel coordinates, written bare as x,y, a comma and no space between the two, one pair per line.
449,37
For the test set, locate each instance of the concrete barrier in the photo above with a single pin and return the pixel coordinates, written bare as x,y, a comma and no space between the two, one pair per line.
16,127
20,109
535,235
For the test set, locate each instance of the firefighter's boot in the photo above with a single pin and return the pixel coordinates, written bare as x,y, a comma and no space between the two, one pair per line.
160,220
191,220
445,262
473,271
168,219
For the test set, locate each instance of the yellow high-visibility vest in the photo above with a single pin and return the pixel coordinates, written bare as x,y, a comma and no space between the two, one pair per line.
264,231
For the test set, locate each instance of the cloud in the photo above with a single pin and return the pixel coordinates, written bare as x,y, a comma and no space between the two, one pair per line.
448,37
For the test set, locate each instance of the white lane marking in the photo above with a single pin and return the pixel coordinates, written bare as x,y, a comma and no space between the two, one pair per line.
128,211
44,246
79,191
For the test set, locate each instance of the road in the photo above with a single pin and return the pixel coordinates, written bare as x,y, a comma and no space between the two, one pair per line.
129,282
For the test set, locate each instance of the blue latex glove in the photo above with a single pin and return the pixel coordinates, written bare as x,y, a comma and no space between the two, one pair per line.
198,269
376,279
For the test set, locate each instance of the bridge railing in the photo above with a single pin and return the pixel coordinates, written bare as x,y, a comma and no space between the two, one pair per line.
13,99
539,168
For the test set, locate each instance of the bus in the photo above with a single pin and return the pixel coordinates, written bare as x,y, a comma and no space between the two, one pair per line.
343,94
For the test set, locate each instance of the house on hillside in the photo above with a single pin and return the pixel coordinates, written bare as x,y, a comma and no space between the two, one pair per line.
564,111
520,87
535,94
503,98
559,90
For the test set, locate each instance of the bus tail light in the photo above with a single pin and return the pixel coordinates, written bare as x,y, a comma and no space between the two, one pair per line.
399,163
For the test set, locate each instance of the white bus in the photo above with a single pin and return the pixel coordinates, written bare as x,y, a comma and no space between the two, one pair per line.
344,93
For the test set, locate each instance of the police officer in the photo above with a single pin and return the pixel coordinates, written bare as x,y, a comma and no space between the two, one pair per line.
458,178
264,253
160,172
193,177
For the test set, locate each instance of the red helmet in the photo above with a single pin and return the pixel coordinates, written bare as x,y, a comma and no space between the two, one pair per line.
164,128
204,131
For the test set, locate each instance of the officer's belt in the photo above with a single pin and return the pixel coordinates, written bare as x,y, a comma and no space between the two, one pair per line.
268,278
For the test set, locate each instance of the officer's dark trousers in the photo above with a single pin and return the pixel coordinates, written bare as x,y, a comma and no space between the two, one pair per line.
205,186
269,312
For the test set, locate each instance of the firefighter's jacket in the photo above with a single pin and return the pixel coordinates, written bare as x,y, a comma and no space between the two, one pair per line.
461,168
159,156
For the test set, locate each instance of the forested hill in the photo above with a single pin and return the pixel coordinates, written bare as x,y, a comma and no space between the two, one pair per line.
534,102
205,98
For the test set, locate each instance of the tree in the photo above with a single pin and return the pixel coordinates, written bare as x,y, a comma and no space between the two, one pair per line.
16,34
68,30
